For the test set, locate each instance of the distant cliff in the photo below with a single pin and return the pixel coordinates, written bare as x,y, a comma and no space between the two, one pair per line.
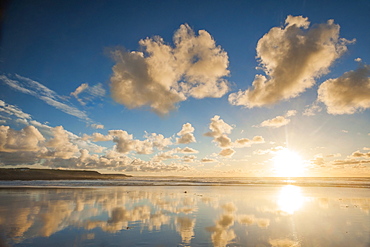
54,174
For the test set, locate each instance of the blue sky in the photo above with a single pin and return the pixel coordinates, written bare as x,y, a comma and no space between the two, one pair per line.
218,88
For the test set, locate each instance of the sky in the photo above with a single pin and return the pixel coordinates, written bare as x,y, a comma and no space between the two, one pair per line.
186,88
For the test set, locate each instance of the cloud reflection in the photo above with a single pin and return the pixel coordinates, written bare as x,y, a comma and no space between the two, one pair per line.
185,227
212,216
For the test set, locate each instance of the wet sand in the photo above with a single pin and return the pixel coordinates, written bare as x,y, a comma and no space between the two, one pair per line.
185,216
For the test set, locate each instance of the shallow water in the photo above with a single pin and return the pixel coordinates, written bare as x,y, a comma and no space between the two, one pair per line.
258,215
353,182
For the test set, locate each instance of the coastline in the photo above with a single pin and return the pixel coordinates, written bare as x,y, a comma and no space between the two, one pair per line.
54,174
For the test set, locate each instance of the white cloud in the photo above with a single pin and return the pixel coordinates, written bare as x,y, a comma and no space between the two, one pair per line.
358,154
13,110
275,122
219,132
278,121
188,150
227,152
158,140
166,155
208,160
98,137
162,76
291,57
245,142
89,94
290,113
36,89
80,89
218,127
186,134
97,126
125,142
189,158
311,110
27,139
268,151
347,94
60,146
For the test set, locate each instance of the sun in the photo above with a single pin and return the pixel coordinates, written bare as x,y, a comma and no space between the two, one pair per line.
288,163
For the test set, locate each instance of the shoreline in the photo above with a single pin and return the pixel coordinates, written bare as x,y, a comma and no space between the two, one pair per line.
28,174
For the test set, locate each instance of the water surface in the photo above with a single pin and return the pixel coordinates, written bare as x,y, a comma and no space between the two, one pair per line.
232,215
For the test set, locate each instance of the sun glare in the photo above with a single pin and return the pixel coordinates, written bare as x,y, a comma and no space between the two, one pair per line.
290,199
288,163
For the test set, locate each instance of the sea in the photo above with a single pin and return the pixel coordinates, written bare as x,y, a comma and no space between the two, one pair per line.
183,211
354,182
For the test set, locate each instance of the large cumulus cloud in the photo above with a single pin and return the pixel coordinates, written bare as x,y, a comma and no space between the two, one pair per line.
348,93
291,57
27,139
162,76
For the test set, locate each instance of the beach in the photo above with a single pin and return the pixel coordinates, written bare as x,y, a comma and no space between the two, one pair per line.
101,213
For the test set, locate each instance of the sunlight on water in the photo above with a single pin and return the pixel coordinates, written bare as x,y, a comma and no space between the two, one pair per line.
290,199
185,216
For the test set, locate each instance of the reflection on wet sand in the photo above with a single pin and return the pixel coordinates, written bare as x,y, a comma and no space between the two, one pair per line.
218,216
185,227
290,199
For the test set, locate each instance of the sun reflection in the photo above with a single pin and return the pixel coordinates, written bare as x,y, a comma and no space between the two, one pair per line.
290,199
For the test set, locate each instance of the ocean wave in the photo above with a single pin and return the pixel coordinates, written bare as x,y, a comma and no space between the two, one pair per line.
185,181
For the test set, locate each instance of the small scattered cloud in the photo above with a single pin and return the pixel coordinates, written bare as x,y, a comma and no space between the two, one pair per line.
171,154
80,89
13,110
291,57
227,152
245,142
219,132
348,93
359,154
291,113
97,126
87,94
278,121
333,155
164,75
189,158
188,150
208,160
36,89
186,134
312,110
268,151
